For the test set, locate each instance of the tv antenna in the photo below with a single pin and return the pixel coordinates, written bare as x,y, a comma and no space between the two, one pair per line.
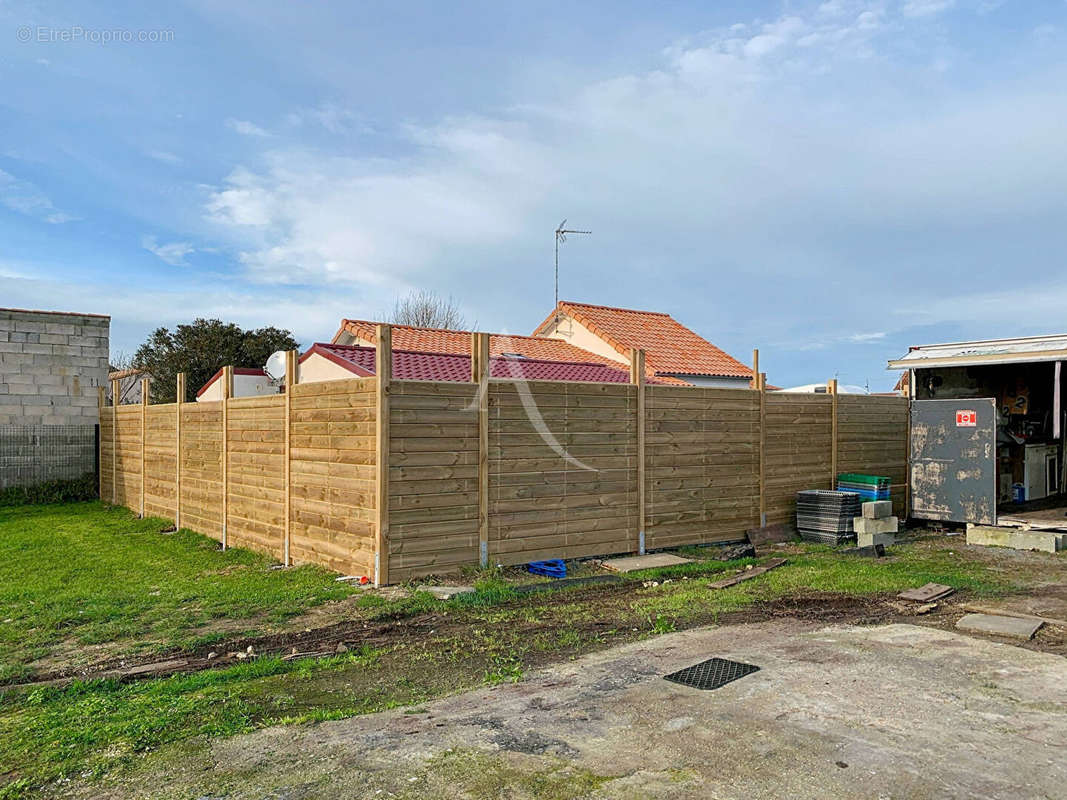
561,236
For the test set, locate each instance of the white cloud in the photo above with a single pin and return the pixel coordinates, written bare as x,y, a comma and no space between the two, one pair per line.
26,198
926,8
173,253
332,117
164,156
860,338
246,128
782,164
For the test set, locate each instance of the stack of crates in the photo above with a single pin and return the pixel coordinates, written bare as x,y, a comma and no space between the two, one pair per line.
826,516
868,487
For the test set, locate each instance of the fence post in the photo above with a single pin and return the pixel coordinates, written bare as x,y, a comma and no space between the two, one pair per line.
145,388
637,378
757,384
761,386
227,392
114,442
383,370
290,382
101,396
831,388
480,369
179,398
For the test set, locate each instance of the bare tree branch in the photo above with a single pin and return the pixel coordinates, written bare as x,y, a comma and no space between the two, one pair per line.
423,308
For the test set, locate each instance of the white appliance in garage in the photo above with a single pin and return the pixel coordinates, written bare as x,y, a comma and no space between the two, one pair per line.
1041,470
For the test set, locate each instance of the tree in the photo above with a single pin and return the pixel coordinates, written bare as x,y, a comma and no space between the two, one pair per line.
426,309
201,349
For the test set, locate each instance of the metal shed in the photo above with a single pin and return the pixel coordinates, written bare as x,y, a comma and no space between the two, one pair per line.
987,425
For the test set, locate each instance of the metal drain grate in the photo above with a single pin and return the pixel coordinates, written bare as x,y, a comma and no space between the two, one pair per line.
711,674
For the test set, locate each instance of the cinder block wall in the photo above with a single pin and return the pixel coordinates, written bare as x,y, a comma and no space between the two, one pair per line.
51,364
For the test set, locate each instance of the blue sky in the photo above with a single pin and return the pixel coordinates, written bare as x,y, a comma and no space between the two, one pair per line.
828,181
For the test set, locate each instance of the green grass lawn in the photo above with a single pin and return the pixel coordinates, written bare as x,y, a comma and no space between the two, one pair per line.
75,577
89,574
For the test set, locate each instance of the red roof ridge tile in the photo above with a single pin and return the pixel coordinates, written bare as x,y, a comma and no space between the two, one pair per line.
393,325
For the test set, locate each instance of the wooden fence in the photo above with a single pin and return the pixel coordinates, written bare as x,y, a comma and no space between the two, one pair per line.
397,479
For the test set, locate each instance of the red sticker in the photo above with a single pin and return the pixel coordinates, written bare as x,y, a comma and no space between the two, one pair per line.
966,419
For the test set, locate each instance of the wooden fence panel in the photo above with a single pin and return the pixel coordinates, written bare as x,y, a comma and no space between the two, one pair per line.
332,475
797,450
433,477
107,455
128,457
559,460
872,437
256,453
562,470
702,472
201,456
160,463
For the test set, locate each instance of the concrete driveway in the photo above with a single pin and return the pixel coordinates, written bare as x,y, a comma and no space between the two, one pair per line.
894,711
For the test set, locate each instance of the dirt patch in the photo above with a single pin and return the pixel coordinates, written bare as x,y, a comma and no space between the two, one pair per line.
608,617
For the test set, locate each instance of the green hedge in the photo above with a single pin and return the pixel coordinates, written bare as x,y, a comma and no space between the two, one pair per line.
65,491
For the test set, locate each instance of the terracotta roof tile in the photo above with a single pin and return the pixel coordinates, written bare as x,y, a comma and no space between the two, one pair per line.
669,346
437,340
429,366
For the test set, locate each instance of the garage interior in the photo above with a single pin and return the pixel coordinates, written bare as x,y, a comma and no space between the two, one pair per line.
1025,379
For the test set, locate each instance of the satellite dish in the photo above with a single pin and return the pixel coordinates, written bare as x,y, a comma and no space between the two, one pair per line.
275,366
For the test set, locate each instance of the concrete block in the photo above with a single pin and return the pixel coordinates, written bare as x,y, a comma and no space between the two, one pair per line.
872,526
53,338
64,328
877,509
872,539
1016,538
30,325
995,625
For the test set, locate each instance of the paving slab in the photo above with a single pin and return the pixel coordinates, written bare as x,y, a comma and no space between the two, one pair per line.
1012,627
991,536
927,592
650,561
446,592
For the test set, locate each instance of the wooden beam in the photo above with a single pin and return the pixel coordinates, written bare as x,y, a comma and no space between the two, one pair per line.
831,388
637,378
179,398
383,371
480,375
101,403
755,368
227,393
114,443
291,365
761,386
145,389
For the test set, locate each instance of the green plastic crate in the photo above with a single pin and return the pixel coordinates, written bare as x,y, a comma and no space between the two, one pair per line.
877,481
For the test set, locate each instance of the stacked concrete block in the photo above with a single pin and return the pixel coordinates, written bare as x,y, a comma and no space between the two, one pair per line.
877,525
51,364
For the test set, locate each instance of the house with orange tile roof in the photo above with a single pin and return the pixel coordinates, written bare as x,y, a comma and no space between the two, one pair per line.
672,351
439,340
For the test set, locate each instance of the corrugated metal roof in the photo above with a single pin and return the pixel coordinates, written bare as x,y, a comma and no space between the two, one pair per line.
989,351
422,366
